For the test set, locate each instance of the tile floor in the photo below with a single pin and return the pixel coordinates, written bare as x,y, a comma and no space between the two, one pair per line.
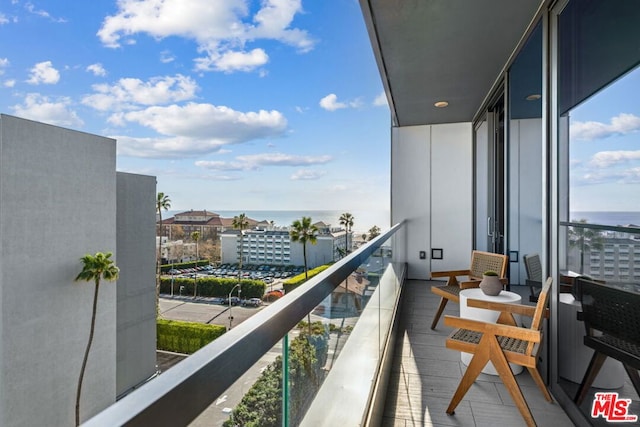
425,375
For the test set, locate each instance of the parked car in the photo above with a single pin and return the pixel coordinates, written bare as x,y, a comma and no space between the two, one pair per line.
252,302
234,301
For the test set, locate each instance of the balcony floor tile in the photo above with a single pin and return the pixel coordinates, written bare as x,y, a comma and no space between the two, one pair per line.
425,374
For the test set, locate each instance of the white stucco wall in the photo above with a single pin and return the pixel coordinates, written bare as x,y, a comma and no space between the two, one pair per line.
57,203
136,310
431,188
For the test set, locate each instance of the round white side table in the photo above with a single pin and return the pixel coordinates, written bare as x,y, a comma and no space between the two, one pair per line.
489,316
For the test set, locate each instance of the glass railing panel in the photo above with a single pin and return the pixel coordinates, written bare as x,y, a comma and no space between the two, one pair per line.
316,344
239,378
610,256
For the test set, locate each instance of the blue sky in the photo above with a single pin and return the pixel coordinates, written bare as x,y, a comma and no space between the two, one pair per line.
605,149
273,104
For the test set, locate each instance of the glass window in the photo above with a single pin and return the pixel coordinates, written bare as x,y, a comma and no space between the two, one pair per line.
599,170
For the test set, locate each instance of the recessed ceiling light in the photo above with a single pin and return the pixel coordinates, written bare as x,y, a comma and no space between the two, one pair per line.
533,97
441,104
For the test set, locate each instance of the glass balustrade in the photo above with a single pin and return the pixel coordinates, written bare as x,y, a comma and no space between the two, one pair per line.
301,359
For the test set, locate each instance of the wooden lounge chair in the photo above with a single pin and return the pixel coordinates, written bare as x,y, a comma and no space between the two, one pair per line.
480,262
501,343
534,275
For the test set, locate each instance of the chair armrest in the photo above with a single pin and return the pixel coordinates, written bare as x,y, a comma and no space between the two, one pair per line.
524,310
493,328
450,273
472,283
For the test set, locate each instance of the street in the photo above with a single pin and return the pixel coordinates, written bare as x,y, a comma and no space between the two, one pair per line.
202,311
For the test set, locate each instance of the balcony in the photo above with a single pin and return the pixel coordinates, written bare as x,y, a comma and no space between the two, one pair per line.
350,337
385,364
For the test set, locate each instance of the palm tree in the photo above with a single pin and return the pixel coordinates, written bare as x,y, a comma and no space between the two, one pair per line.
162,202
195,236
374,232
346,219
585,239
240,222
94,267
303,231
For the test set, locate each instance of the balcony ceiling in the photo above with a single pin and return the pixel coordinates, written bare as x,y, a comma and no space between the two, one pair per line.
443,50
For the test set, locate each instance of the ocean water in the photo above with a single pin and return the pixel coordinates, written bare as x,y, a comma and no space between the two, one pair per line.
363,219
607,218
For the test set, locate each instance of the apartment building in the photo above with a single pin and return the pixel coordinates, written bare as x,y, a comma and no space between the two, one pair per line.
274,246
61,198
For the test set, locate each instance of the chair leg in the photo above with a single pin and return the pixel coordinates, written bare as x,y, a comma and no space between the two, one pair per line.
541,385
592,372
633,376
477,364
504,370
443,303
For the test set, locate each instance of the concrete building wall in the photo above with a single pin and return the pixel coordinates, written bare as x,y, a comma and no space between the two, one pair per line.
431,188
136,310
319,254
57,203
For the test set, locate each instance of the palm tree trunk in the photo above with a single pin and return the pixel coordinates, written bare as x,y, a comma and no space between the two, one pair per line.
158,266
306,277
86,352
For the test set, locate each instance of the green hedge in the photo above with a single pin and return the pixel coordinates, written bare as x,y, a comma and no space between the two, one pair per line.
186,337
190,264
213,287
298,280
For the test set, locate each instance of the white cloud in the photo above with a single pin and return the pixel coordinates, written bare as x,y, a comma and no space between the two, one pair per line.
165,147
3,19
43,109
280,159
307,175
605,159
97,69
622,124
631,176
166,57
9,83
381,100
330,103
196,129
43,72
255,161
231,61
42,13
129,92
221,29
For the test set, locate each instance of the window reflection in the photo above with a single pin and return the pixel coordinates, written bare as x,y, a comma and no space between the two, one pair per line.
599,175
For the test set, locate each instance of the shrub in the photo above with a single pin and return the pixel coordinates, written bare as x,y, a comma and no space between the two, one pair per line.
185,337
213,287
261,405
298,280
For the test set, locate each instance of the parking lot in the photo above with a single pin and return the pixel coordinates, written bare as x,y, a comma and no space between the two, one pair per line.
267,273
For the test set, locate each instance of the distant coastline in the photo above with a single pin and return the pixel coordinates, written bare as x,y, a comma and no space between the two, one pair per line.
607,218
363,219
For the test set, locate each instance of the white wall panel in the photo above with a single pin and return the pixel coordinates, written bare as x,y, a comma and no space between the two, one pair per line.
431,188
451,194
410,192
